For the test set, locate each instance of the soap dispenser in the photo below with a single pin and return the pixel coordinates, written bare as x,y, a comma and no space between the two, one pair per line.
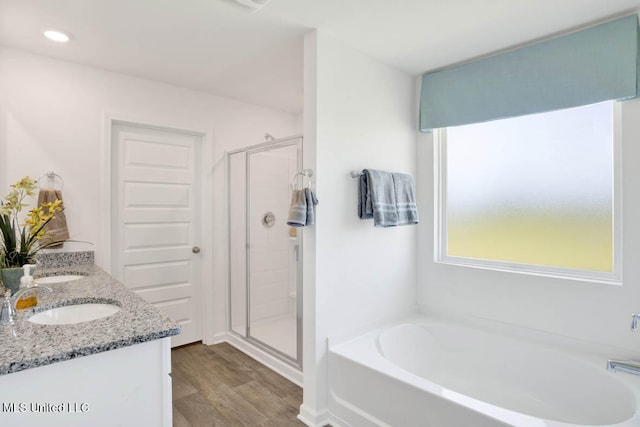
28,299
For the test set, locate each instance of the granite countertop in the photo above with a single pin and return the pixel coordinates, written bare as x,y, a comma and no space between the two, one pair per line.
26,345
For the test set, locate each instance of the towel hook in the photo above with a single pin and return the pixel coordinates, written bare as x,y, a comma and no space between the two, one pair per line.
304,173
51,175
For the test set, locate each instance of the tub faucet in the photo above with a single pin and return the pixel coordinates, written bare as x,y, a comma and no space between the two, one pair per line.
8,310
628,366
634,321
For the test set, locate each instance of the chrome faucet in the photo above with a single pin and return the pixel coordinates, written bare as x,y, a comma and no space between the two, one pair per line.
634,321
628,366
8,310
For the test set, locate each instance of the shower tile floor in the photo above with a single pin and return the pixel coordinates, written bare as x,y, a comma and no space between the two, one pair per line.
279,333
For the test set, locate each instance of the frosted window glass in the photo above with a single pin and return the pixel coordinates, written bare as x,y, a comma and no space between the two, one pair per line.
534,189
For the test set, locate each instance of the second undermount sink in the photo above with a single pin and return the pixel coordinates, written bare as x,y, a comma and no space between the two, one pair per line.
71,314
57,279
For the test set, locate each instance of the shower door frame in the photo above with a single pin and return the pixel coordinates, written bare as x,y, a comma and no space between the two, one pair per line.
266,146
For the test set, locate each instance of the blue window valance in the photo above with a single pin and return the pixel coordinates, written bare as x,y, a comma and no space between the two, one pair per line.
581,68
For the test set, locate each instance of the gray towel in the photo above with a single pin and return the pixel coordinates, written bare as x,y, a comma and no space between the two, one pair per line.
365,208
378,198
302,211
388,198
405,199
312,201
56,232
298,209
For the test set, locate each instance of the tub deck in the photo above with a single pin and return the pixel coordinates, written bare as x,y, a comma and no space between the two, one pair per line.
433,372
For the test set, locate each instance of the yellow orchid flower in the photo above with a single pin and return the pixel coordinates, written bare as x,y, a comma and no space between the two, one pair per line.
20,241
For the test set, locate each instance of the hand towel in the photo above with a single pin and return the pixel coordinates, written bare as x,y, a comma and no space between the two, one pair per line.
298,209
378,198
405,199
56,232
312,201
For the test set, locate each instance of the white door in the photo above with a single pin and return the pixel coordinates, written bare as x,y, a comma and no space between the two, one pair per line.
155,229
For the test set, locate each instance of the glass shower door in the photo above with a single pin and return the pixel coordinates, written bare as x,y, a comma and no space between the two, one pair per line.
273,250
265,254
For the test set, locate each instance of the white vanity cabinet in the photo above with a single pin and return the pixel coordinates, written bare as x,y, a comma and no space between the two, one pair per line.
127,386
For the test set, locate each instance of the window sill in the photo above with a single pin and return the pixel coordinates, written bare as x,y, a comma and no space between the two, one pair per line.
598,277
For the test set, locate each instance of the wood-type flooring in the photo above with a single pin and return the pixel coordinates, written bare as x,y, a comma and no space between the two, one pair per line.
220,386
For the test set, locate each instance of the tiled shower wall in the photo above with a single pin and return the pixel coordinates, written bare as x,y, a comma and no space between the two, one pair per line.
272,249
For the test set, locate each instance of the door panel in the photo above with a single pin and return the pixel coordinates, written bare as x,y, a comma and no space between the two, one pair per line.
167,235
157,274
147,195
156,222
151,154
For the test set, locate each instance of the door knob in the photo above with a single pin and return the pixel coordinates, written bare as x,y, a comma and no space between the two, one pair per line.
195,250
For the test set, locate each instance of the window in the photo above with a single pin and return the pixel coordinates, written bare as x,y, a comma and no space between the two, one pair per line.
534,194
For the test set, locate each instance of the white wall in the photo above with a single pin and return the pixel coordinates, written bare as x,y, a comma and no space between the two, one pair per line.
359,113
589,311
52,118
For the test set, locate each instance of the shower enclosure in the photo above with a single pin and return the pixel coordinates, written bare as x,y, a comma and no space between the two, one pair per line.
265,254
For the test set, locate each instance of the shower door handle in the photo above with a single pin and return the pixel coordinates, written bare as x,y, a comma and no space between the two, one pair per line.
195,250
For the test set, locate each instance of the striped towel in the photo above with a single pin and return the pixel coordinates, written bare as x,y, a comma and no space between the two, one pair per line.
405,199
388,198
312,201
298,209
302,211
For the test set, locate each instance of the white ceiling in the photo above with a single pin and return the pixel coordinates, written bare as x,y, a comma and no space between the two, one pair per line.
220,48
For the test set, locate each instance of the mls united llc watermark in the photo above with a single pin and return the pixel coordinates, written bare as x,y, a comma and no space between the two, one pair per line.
45,407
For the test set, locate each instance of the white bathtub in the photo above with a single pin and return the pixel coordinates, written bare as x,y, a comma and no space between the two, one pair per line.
435,373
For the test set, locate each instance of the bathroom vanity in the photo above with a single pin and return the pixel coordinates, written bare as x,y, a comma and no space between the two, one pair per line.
110,371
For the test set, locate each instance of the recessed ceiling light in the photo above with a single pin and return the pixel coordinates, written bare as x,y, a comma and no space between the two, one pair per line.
57,36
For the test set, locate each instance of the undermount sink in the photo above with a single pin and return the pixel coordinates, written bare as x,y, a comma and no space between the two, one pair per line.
71,314
57,279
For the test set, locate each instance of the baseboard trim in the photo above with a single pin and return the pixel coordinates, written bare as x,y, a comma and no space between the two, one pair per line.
218,338
312,418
